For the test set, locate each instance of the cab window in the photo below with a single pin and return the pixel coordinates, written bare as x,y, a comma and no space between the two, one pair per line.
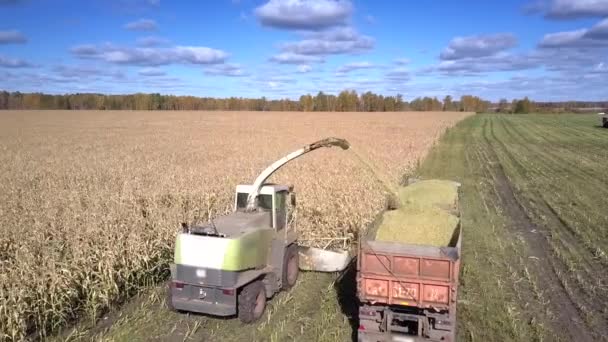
264,201
281,209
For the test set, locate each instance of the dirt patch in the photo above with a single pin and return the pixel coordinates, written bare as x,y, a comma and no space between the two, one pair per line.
569,321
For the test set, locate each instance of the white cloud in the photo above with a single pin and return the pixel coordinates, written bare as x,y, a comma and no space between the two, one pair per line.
322,25
231,70
594,37
568,9
544,88
77,72
598,31
9,62
565,53
402,61
355,66
70,71
151,56
563,39
150,41
294,58
142,25
398,75
304,68
151,72
336,41
496,63
85,50
478,46
12,37
304,14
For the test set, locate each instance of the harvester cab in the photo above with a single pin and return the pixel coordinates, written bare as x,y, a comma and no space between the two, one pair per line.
272,199
232,264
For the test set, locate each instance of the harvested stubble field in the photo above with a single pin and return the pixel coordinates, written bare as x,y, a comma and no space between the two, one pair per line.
90,201
534,216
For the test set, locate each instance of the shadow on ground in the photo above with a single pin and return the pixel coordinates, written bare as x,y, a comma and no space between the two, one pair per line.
346,289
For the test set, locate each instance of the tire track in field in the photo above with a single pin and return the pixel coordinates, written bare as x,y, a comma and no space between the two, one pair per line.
557,160
589,155
555,187
289,316
527,292
592,285
563,304
590,162
587,272
523,292
522,314
593,135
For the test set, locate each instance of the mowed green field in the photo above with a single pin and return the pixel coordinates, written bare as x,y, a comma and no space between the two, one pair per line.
535,216
535,244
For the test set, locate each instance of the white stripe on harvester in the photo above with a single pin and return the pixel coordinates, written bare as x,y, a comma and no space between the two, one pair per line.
203,251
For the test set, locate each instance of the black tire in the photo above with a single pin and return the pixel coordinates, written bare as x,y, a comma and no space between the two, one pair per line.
169,299
291,268
605,124
252,302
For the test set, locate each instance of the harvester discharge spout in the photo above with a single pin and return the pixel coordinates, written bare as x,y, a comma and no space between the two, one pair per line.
259,181
312,259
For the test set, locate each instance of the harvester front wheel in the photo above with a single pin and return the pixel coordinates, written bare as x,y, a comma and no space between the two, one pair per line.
291,270
252,302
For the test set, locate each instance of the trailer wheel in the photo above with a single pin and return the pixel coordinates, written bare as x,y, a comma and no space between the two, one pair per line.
252,302
606,124
291,270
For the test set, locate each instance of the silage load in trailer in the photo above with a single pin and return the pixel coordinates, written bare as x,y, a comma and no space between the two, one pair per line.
434,192
426,216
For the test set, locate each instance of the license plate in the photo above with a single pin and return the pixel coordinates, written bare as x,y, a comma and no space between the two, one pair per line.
403,339
201,273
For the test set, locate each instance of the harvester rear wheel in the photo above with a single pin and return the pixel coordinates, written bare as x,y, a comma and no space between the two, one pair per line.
291,270
252,302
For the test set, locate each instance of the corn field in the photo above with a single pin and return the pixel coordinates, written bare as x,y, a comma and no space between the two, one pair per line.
90,201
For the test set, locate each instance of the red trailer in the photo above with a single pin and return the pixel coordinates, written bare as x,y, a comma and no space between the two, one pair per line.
407,292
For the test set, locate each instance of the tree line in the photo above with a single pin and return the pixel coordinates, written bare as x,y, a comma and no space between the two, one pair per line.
345,101
525,105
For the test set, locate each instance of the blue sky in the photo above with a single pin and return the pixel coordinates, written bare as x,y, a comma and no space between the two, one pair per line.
545,49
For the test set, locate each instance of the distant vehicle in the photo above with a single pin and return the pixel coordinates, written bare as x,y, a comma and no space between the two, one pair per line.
604,119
